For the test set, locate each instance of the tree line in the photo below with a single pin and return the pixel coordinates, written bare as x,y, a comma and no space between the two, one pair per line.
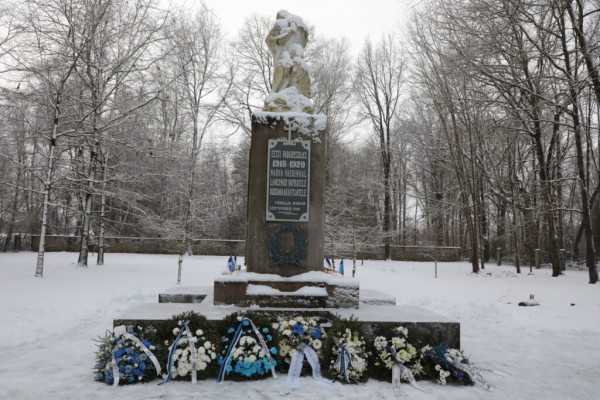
476,126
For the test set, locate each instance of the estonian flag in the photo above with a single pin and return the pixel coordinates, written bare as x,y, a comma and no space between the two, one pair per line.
328,263
341,267
231,264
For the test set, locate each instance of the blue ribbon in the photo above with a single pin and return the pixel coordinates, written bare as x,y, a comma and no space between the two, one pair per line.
342,360
170,361
230,348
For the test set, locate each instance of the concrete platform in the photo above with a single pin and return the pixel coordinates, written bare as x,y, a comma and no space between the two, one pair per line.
185,294
424,326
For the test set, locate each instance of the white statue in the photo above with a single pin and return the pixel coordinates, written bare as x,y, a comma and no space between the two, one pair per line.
290,90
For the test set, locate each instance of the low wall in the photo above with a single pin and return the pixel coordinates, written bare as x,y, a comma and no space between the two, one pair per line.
214,247
219,247
399,253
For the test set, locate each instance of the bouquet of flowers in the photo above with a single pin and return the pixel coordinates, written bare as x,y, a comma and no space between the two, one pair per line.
396,350
445,365
349,356
248,349
296,333
125,356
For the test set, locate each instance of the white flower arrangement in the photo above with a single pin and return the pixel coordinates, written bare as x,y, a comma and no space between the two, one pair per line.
350,357
444,365
182,356
395,349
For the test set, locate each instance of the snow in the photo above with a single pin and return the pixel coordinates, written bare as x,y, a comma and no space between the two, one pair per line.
311,276
47,351
307,124
264,290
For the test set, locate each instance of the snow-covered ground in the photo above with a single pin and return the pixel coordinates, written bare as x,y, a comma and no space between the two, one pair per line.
47,326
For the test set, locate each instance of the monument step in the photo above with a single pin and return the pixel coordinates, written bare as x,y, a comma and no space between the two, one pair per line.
426,326
184,294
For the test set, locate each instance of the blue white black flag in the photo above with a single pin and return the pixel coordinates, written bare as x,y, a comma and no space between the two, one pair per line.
231,264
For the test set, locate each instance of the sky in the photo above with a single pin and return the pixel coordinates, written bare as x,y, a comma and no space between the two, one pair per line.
354,19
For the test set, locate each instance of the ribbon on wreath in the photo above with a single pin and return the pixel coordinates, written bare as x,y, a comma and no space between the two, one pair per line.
399,370
293,377
473,373
234,343
183,328
120,331
343,363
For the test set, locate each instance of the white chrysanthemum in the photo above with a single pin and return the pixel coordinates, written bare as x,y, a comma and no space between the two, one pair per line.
380,343
199,332
207,345
437,367
176,331
398,342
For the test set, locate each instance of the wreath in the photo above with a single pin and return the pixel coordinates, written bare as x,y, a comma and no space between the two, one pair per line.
292,256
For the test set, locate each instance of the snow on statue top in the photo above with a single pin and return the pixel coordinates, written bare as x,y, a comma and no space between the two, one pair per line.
291,84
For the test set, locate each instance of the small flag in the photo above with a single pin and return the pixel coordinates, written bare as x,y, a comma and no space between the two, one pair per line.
328,263
341,267
231,264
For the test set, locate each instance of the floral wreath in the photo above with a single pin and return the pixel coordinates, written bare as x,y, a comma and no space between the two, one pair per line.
445,365
191,352
248,349
124,358
349,357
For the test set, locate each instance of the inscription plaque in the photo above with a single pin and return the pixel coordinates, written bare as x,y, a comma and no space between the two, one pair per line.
288,180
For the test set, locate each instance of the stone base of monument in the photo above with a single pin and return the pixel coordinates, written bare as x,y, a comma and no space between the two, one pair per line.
309,290
375,310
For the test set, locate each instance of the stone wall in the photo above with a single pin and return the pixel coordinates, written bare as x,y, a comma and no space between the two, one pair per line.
398,253
146,245
219,247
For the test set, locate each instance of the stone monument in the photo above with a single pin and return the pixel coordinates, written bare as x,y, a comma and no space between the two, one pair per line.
286,191
285,241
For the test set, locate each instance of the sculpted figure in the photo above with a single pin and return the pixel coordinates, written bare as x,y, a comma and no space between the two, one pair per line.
291,83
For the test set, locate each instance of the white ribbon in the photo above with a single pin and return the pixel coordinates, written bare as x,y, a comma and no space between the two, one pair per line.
473,374
293,377
264,346
398,368
192,348
115,366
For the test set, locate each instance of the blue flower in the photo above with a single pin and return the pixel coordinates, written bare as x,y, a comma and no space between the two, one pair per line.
297,329
273,350
228,368
316,333
245,322
137,372
131,379
238,366
128,369
230,330
142,366
269,338
143,357
119,353
265,330
147,343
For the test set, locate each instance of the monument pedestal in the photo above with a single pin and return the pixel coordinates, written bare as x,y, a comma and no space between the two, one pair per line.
309,290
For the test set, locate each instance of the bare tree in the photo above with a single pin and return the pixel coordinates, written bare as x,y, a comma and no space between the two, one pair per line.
379,88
